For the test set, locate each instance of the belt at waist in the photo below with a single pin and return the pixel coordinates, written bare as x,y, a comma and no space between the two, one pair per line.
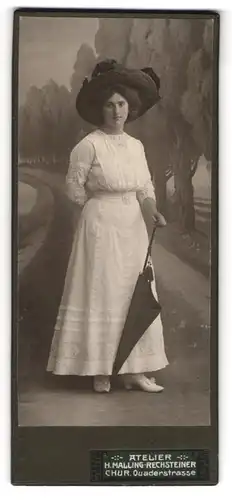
126,197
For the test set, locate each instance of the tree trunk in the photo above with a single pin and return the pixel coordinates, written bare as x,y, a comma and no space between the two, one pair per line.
184,197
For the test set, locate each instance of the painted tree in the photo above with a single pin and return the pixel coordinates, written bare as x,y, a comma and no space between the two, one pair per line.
188,109
197,100
45,124
56,112
83,67
49,125
169,45
113,38
30,124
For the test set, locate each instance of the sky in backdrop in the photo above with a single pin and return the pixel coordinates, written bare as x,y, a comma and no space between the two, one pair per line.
48,47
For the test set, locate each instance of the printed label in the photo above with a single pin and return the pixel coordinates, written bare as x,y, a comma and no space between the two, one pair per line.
149,466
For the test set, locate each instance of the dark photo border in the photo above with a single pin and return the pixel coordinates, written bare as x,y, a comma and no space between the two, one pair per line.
61,455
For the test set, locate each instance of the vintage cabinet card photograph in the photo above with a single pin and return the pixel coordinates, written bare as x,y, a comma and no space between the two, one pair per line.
115,175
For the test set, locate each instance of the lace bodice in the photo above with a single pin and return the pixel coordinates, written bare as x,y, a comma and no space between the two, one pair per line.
112,163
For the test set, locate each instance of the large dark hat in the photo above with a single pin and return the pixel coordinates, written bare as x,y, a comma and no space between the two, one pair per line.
109,73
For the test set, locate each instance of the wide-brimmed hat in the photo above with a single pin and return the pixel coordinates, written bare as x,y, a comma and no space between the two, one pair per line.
109,74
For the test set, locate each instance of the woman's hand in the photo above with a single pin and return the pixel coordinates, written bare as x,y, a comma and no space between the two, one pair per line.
152,214
159,220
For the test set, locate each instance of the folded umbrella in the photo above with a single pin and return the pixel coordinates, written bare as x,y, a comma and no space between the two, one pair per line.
143,310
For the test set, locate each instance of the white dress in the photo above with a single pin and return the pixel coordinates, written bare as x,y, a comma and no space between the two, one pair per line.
108,175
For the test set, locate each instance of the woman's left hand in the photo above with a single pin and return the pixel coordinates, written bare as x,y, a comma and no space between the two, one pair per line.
151,213
159,220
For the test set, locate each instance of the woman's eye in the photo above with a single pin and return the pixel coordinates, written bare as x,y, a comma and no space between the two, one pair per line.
110,105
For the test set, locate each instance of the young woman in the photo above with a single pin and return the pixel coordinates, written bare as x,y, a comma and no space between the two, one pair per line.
109,177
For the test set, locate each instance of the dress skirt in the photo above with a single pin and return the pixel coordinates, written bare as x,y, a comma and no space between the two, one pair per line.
108,253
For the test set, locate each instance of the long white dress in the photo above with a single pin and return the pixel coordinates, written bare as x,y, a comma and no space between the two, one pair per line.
108,175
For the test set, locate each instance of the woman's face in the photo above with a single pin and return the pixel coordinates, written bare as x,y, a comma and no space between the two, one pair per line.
115,112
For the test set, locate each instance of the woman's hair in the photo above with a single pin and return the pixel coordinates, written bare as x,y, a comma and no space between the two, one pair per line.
131,96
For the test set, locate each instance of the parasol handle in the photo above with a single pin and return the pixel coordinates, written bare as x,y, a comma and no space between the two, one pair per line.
149,247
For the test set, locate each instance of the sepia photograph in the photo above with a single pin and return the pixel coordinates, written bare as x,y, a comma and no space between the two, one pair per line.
115,120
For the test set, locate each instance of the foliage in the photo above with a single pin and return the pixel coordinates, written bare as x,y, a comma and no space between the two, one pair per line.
45,122
196,104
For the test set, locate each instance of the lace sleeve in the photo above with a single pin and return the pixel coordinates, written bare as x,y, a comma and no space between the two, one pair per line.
80,162
147,190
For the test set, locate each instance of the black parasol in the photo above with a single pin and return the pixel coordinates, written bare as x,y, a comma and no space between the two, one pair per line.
143,310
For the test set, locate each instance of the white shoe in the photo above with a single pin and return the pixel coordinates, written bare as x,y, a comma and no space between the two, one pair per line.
101,383
144,383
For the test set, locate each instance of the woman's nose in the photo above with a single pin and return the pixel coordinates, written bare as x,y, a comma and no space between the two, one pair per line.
116,109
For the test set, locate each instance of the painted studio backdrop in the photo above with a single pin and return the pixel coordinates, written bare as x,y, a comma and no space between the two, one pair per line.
55,55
